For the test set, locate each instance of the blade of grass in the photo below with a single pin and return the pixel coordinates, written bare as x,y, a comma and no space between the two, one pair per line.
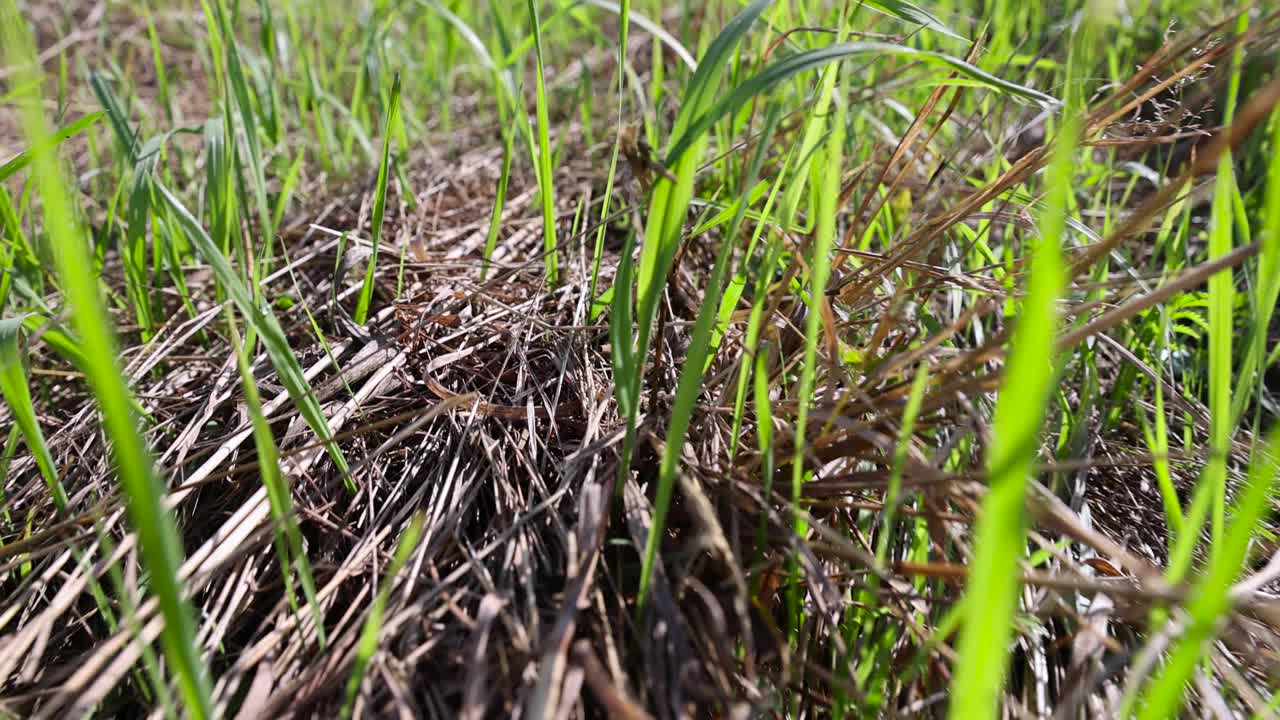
992,590
1211,600
368,643
160,544
689,386
13,384
546,178
499,202
668,206
288,538
266,326
819,273
624,24
912,13
361,314
20,161
787,67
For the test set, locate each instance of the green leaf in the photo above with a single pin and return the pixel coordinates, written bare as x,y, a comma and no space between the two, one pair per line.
912,13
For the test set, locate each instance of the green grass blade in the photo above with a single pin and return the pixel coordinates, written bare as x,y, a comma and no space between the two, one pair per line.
787,67
238,91
379,206
992,589
829,165
1211,601
499,203
1267,291
689,386
546,177
1222,297
912,13
159,542
288,534
265,325
20,161
13,384
368,643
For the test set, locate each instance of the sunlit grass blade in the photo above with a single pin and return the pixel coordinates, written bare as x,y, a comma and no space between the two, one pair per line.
546,177
361,315
160,544
13,384
669,202
265,325
1222,295
992,589
689,386
368,643
1211,599
289,547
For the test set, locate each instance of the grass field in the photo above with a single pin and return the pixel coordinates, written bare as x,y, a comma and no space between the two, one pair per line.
639,358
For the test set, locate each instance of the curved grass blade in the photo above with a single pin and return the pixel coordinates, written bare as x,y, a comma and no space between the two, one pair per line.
13,384
811,59
1268,285
912,13
16,163
158,538
266,326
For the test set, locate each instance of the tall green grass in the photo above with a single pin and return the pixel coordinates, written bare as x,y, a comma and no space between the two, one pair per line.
1210,599
361,315
158,539
991,594
283,112
546,173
